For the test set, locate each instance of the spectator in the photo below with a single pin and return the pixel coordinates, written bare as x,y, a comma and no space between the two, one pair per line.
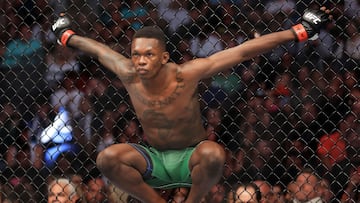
258,105
41,28
3,194
307,184
280,10
351,9
215,195
205,43
307,127
23,51
353,42
223,87
353,100
177,16
247,193
136,13
294,160
282,91
306,92
59,6
68,96
42,118
351,77
62,190
96,190
351,193
20,191
341,173
278,193
326,194
131,131
265,190
234,166
9,118
304,85
278,15
248,128
106,134
83,131
214,127
60,61
116,195
332,107
262,161
230,195
291,189
99,91
19,158
332,147
179,195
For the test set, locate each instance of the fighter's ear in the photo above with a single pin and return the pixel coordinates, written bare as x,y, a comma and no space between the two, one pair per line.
165,57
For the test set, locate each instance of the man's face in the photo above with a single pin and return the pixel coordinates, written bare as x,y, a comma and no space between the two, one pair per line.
307,187
60,194
245,195
217,194
95,191
148,56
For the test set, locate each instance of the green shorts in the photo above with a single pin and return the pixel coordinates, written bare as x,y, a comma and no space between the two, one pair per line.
166,169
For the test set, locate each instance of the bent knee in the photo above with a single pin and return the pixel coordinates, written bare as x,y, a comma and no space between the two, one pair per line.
117,156
104,159
107,158
213,153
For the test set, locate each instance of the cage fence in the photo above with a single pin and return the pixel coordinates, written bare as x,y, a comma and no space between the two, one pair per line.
284,112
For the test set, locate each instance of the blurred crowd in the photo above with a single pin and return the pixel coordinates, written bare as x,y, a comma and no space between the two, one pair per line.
288,119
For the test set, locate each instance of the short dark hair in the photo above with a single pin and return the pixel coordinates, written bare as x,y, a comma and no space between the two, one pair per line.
153,32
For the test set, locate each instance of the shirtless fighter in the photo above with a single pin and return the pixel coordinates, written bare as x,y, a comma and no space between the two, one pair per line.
164,97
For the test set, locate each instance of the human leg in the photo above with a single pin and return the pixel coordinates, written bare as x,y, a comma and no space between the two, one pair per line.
206,165
124,166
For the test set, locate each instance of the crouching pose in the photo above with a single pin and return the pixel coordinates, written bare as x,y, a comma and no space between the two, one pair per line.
165,100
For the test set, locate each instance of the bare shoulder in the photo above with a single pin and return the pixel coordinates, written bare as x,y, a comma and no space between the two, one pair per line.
195,69
125,70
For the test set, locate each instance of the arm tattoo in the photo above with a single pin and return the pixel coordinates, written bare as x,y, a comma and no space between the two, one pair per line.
128,78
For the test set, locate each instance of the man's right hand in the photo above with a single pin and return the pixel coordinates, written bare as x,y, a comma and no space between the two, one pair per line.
62,29
311,23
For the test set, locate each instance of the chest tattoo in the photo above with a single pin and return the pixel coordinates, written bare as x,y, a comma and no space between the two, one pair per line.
167,100
160,121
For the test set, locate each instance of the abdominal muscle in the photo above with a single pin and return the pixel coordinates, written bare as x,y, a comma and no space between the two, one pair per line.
174,131
171,119
175,138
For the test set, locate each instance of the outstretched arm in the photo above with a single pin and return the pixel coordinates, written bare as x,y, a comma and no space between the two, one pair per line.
243,52
109,58
311,23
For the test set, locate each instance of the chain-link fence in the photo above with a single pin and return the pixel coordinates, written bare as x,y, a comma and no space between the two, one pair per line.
293,108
